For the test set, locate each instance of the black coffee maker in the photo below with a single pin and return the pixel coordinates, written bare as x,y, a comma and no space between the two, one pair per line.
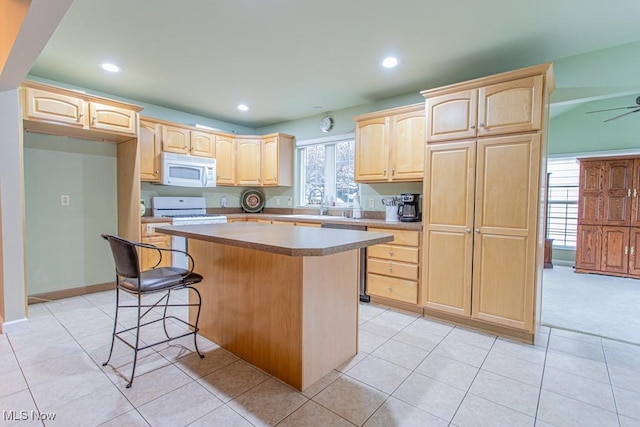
409,207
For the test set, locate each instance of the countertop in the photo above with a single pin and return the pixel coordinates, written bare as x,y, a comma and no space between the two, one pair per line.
292,241
326,219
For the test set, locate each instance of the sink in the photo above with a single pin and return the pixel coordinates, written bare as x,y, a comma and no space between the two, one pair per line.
306,216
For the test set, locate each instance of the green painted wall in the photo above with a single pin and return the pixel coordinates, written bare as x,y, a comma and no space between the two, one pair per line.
63,244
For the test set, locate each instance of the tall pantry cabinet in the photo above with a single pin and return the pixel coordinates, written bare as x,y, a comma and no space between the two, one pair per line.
484,197
609,216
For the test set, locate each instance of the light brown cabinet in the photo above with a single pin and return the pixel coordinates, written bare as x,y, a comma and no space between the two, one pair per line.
608,216
150,257
256,161
182,140
512,106
390,145
59,111
150,147
484,160
393,269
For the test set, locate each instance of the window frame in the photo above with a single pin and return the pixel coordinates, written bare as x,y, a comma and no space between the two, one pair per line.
330,167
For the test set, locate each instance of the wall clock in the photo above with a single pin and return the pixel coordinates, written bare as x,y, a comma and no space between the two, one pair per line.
326,124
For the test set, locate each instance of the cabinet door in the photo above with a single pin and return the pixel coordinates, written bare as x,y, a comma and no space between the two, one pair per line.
203,144
45,105
589,247
634,247
407,140
249,161
113,119
635,198
270,161
506,230
149,141
372,151
615,249
175,139
149,257
452,116
510,107
618,177
448,220
225,160
591,197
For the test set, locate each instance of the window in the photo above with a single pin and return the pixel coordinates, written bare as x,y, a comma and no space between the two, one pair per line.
562,202
327,172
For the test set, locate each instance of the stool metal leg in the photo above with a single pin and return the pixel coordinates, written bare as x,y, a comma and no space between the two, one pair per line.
137,346
195,325
115,322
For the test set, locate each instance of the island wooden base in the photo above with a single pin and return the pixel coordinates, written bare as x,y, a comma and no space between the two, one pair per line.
294,317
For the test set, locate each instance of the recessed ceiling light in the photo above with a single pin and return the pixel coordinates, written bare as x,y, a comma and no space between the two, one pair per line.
243,107
390,62
112,68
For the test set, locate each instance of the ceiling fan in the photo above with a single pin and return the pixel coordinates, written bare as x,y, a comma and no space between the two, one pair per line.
635,108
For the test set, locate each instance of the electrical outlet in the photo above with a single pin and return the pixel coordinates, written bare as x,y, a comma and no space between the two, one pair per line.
223,201
277,201
65,200
372,203
289,201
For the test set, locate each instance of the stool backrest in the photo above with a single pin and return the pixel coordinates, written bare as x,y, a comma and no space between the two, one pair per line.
125,256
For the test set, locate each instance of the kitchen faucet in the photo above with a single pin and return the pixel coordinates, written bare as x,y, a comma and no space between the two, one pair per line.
315,194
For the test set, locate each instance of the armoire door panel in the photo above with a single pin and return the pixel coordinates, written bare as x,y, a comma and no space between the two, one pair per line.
615,249
634,259
591,198
589,247
618,177
635,197
502,279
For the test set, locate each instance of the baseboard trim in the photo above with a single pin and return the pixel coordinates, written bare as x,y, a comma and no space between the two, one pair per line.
564,263
15,326
71,292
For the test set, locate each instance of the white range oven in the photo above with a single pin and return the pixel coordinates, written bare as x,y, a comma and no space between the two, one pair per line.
184,211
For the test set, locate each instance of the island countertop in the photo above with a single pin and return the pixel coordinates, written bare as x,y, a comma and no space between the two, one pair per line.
284,240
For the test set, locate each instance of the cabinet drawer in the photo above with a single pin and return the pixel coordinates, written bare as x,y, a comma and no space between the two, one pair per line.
393,268
149,228
400,237
390,287
395,253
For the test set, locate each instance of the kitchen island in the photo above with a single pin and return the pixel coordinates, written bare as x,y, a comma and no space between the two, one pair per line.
284,299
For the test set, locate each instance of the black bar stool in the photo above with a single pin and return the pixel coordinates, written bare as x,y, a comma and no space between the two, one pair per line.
163,280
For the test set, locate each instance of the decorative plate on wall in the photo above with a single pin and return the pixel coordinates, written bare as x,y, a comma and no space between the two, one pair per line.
252,201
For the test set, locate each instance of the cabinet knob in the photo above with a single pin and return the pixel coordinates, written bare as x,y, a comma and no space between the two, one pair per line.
384,172
477,230
481,125
389,288
635,192
626,250
81,114
472,126
157,171
628,192
468,230
632,250
391,253
94,119
393,172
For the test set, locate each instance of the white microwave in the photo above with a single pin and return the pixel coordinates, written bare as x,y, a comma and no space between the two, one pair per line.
188,171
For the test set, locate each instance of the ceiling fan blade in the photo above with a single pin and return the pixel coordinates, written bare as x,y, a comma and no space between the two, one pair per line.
622,115
611,109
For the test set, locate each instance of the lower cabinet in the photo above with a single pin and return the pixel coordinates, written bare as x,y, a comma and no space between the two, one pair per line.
149,257
608,250
393,269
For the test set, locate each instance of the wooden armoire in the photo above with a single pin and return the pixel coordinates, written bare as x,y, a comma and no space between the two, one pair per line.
609,216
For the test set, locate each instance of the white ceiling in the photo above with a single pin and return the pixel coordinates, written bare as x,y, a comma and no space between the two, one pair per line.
284,57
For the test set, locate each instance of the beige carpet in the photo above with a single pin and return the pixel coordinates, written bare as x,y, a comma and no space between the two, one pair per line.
591,303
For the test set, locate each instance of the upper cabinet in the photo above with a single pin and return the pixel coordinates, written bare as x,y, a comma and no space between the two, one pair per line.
149,143
502,108
390,145
225,160
60,111
265,161
184,140
249,161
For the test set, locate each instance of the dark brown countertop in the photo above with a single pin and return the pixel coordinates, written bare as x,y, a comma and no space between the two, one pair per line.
292,241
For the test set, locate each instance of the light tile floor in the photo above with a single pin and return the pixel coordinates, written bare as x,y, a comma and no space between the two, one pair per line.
410,371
